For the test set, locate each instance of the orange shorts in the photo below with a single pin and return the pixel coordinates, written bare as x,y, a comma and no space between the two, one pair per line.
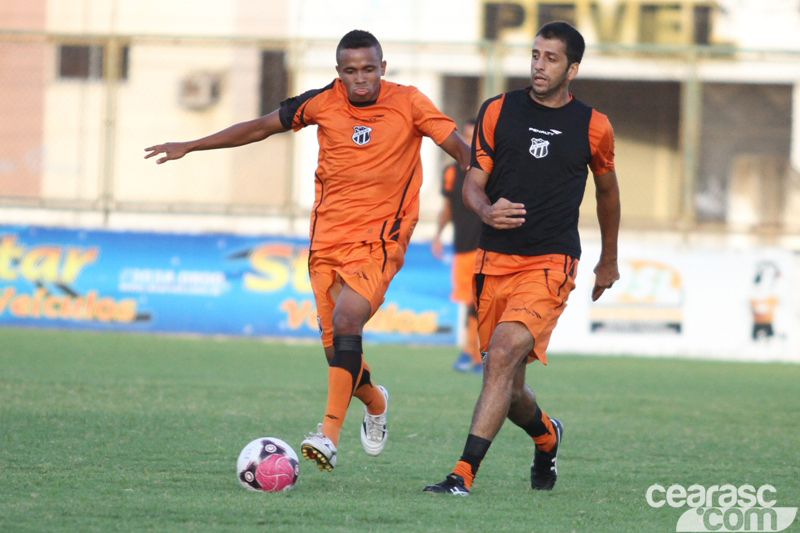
462,272
536,298
366,267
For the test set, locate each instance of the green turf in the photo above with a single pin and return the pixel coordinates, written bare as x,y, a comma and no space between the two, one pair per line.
112,432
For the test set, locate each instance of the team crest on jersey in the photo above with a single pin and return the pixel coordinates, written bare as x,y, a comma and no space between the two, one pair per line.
539,148
361,135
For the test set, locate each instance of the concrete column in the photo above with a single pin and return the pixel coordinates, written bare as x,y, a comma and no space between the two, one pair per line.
791,210
691,110
795,146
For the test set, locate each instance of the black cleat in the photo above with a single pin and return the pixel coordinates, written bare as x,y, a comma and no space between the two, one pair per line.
452,484
543,467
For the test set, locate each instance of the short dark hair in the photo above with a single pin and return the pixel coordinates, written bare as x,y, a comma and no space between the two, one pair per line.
359,39
572,39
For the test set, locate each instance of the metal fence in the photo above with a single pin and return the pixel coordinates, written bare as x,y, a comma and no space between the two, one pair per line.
707,137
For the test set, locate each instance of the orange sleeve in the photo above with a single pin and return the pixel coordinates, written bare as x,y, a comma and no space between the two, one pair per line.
305,115
483,140
428,120
298,111
601,140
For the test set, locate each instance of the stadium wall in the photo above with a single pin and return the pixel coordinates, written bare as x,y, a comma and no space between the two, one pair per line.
673,299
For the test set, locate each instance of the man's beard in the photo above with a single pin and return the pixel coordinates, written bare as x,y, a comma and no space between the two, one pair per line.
554,88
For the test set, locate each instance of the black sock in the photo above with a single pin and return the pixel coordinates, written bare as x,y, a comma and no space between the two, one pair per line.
535,427
347,355
366,378
474,451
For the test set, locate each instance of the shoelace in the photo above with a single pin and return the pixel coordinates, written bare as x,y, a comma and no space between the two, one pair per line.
318,433
454,485
375,427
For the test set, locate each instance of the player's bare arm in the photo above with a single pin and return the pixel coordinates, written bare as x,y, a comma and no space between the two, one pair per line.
608,215
455,146
503,214
236,135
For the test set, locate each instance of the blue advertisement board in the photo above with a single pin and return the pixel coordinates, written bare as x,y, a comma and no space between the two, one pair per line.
207,284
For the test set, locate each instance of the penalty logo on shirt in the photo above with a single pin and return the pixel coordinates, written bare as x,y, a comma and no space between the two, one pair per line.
361,135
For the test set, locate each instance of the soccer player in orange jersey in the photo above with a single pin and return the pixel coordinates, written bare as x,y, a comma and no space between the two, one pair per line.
367,204
531,151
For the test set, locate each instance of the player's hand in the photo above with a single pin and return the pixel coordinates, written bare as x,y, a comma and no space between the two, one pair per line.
170,150
437,249
606,273
504,214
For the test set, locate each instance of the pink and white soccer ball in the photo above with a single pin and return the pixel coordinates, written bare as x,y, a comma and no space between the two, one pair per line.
268,465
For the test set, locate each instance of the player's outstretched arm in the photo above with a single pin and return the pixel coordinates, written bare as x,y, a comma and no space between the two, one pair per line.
608,215
236,135
455,146
503,214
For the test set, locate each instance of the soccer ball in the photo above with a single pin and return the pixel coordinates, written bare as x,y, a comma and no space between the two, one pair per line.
269,465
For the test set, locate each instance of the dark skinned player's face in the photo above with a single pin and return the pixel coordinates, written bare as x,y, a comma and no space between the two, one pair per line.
360,69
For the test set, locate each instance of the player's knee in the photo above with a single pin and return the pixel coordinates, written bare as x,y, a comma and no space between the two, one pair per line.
499,359
345,323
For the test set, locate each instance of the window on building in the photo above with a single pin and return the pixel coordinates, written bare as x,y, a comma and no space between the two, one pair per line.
702,24
274,80
85,62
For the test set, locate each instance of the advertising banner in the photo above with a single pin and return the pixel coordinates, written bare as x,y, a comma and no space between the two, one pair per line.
207,284
671,300
682,300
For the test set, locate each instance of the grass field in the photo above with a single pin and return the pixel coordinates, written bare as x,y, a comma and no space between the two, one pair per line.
113,432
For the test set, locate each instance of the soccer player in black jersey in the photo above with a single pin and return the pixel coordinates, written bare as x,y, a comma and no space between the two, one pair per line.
466,231
532,150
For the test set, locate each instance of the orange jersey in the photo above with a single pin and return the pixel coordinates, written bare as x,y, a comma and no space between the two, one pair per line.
369,169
